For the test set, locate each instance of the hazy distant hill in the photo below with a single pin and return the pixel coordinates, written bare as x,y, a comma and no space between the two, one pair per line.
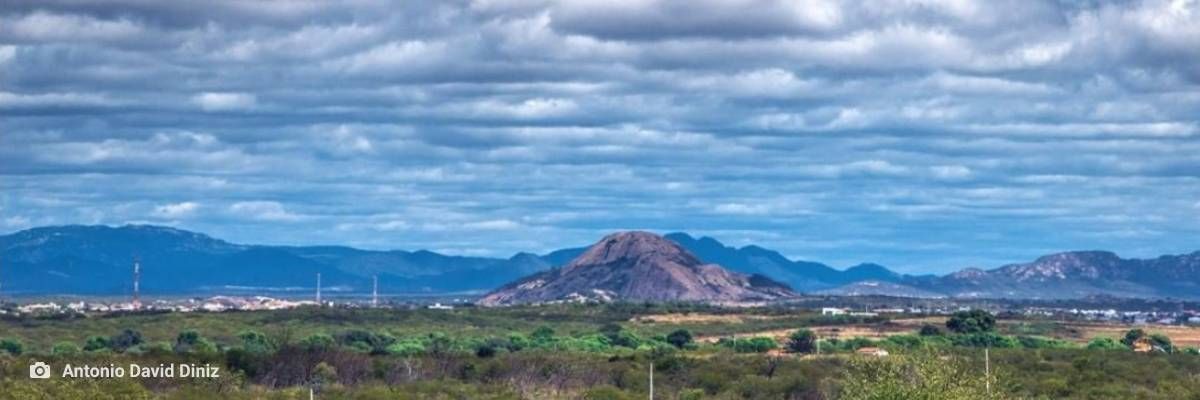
1074,275
638,266
800,275
97,260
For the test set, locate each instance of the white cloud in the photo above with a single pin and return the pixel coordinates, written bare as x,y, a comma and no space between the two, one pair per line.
7,53
950,172
264,211
176,210
493,225
438,124
393,57
862,167
527,109
742,209
984,85
224,101
43,26
345,140
16,222
770,82
69,99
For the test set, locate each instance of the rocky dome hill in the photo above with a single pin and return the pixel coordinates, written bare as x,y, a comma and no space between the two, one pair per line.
638,266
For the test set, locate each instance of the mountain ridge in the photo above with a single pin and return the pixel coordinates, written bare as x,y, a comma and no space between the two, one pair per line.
96,259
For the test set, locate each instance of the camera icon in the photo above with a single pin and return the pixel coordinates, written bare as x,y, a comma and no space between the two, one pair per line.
39,370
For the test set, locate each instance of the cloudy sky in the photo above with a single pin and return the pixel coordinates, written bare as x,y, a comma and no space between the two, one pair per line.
924,135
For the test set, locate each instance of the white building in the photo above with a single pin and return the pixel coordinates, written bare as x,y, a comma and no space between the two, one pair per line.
832,311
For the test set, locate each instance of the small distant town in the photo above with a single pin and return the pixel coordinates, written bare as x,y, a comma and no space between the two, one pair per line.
201,304
1189,317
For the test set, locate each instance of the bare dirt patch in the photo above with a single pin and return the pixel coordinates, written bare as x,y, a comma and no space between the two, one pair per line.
880,331
695,318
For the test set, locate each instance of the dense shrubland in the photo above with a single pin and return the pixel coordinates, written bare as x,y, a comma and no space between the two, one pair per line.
597,354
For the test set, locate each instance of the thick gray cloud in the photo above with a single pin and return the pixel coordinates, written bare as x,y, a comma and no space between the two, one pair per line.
925,135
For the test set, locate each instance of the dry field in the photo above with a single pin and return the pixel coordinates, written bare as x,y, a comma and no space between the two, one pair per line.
698,318
1182,336
876,331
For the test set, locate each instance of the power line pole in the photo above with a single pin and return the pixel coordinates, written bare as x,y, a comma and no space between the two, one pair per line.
375,291
651,379
137,277
987,371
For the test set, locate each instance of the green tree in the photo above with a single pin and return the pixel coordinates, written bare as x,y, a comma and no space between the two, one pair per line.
517,341
323,375
1132,337
1163,342
439,344
802,341
95,343
618,336
318,341
1105,343
984,339
125,339
759,344
190,341
542,336
486,350
255,342
11,346
406,347
680,338
973,321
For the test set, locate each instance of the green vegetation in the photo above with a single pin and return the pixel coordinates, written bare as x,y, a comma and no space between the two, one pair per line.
571,352
680,338
974,321
758,344
11,346
916,376
802,341
1104,343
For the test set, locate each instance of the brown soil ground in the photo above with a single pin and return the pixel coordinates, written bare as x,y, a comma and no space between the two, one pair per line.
701,318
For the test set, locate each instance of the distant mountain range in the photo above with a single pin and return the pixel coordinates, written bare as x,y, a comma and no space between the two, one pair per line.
638,266
1074,275
97,260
